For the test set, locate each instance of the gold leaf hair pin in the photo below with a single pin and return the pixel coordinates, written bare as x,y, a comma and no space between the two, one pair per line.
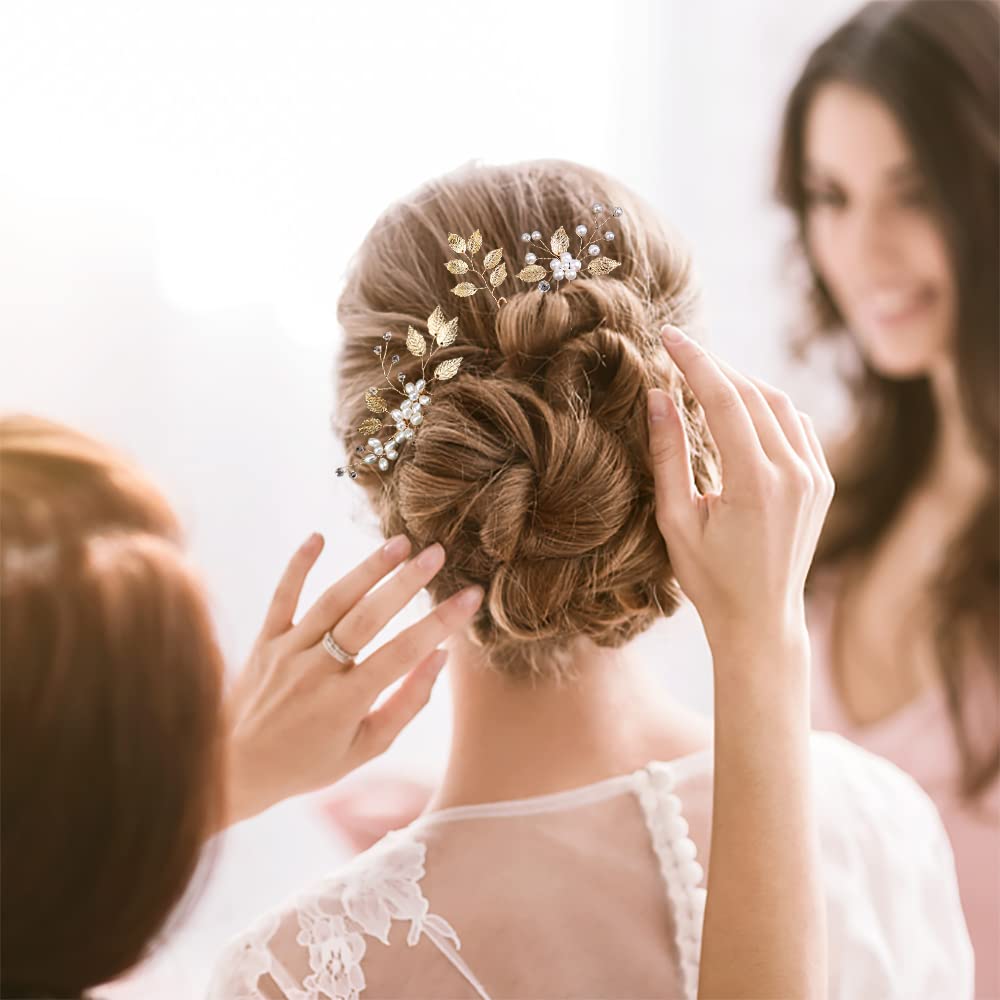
561,264
376,454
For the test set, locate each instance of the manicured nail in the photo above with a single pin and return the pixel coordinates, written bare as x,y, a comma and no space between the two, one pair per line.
470,598
396,547
656,403
673,334
313,542
431,557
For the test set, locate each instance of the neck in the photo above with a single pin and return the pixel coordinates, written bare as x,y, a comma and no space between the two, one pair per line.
956,468
515,739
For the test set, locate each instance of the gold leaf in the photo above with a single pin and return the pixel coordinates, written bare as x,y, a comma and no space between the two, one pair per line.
435,321
499,275
559,241
534,272
457,266
447,369
603,265
465,289
370,426
415,343
475,242
492,259
456,243
448,333
375,403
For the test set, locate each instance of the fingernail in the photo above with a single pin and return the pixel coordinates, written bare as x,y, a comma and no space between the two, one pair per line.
431,556
470,598
313,541
673,334
396,547
656,403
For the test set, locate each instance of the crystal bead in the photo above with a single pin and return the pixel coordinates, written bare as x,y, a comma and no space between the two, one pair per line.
597,208
530,258
581,231
387,335
395,359
543,286
525,237
619,212
593,249
609,236
353,474
359,449
383,464
401,376
536,235
376,350
341,471
425,400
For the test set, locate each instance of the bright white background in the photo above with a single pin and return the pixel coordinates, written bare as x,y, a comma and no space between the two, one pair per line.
181,185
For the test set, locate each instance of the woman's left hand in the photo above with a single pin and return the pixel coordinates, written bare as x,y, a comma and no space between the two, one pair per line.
298,719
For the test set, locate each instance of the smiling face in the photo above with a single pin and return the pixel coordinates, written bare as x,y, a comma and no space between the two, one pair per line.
872,235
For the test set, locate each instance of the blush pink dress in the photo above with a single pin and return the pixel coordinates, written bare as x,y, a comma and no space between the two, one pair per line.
919,740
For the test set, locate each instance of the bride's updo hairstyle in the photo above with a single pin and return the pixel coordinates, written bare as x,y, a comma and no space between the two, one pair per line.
532,467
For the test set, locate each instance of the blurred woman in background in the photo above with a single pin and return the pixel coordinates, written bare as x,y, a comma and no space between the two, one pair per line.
889,161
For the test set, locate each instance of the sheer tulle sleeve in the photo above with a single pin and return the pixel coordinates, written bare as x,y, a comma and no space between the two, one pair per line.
895,921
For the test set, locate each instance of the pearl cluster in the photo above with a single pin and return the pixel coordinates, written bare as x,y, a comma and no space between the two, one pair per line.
409,416
562,264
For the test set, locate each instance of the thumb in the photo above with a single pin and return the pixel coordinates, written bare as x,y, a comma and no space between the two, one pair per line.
671,458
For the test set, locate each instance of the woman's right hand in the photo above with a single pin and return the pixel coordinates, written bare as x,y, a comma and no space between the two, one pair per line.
741,554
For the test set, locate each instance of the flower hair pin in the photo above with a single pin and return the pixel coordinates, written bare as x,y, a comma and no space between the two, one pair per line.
562,265
414,396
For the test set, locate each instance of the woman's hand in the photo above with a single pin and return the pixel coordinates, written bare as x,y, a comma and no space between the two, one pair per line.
741,555
299,719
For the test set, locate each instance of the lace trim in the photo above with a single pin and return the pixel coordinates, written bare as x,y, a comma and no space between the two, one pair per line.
377,887
682,874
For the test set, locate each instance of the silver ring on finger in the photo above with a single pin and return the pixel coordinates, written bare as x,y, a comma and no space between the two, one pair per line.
336,650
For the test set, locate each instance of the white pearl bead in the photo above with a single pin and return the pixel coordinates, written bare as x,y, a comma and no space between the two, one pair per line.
396,415
597,207
373,442
581,230
593,249
392,455
417,418
575,264
559,274
684,850
609,236
525,237
409,433
420,384
530,258
370,459
565,256
554,264
692,873
383,464
676,827
425,400
571,275
536,235
672,805
409,388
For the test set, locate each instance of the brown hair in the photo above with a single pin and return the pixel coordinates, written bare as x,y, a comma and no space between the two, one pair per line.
934,64
111,758
532,468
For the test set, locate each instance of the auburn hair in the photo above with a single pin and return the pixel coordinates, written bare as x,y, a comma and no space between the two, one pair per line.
111,707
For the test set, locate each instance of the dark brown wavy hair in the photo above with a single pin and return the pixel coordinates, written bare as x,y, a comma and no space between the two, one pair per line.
111,703
532,468
934,64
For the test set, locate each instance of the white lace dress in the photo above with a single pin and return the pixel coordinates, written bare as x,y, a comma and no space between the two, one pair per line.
599,892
